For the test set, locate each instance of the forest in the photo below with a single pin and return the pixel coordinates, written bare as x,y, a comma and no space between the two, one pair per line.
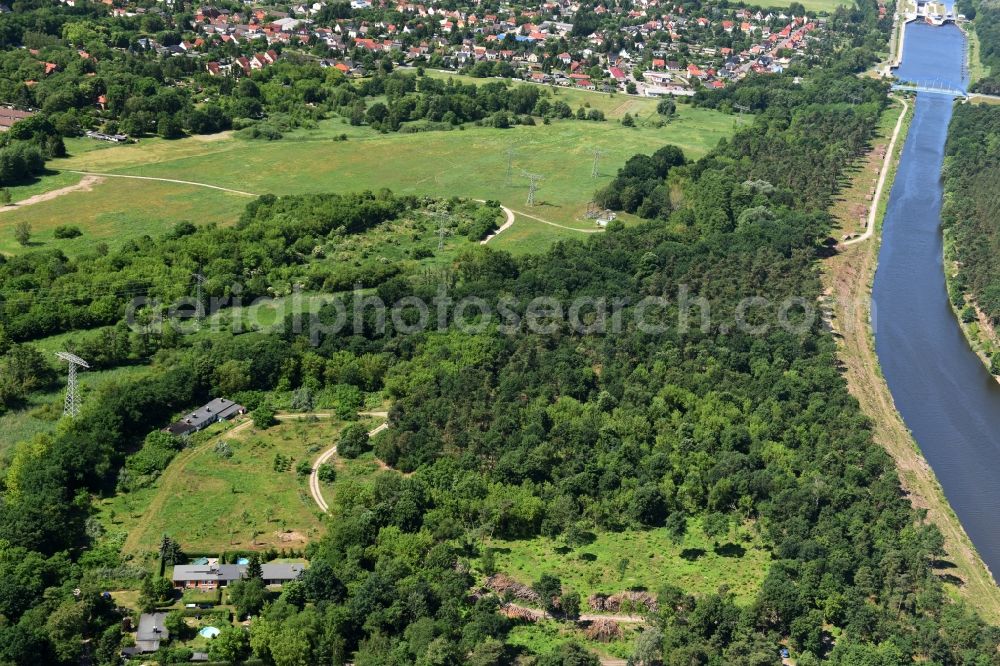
987,27
972,167
512,432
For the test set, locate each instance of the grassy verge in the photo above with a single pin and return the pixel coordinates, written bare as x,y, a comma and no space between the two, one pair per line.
848,277
977,70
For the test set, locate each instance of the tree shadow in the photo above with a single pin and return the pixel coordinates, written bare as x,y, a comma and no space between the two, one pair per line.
588,557
730,550
692,554
942,564
951,578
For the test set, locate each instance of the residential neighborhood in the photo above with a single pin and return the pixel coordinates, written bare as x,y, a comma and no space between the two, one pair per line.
659,49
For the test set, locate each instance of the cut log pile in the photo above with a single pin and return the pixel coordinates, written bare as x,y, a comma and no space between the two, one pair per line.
604,630
508,588
517,613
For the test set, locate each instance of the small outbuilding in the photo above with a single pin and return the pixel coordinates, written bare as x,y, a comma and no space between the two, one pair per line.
151,632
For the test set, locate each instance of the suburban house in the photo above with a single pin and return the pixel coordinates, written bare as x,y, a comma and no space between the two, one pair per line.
219,409
206,576
279,573
213,575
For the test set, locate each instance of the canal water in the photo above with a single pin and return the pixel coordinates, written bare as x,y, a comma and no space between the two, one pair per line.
945,394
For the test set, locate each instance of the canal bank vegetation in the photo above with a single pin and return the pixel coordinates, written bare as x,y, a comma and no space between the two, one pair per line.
971,227
847,278
984,45
978,70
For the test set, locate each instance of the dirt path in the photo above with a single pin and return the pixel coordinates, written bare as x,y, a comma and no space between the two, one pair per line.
886,164
86,184
166,180
314,488
847,277
561,226
510,222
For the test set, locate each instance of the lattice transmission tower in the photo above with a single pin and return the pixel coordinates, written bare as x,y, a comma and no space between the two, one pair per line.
533,179
71,406
594,173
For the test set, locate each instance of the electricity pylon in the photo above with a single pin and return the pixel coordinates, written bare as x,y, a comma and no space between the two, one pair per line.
71,406
533,179
597,156
199,282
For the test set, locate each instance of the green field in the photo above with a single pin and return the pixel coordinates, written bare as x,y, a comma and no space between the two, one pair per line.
471,163
828,6
650,559
210,503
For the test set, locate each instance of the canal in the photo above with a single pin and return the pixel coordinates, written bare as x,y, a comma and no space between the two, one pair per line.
944,393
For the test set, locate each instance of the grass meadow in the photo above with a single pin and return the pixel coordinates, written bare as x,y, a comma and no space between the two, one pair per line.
210,503
470,162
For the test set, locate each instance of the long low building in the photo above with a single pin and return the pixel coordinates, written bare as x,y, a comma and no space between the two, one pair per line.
212,576
219,409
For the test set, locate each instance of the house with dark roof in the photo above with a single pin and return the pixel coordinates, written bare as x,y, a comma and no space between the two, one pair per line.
279,573
151,631
219,409
206,576
211,576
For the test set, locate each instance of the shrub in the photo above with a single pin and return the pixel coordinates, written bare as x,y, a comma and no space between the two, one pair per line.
353,441
326,473
67,231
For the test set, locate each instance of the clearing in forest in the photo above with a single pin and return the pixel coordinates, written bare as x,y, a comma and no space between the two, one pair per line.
238,489
642,559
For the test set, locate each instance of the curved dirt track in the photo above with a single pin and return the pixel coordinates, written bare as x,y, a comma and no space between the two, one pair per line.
314,488
86,184
167,180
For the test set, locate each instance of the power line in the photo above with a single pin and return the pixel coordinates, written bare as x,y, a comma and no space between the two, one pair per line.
510,165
